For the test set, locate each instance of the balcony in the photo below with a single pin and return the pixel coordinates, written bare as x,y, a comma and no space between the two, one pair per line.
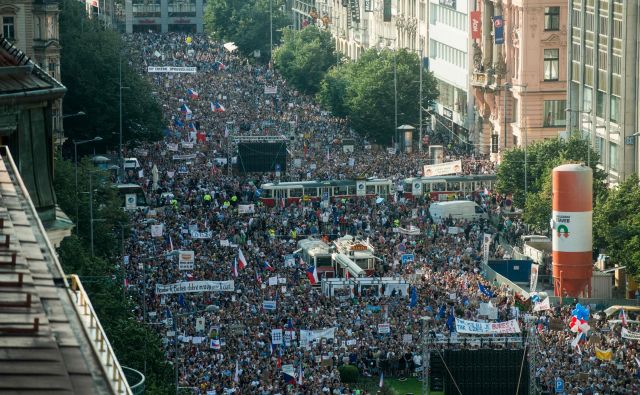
146,10
482,79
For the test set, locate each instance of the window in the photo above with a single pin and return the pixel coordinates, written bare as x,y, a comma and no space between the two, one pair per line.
613,156
600,147
600,104
555,114
52,69
614,111
422,11
587,99
8,28
552,18
551,64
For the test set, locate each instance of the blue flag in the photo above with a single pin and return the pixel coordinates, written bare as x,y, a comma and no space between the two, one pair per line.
451,321
442,311
485,291
498,27
181,300
178,123
414,297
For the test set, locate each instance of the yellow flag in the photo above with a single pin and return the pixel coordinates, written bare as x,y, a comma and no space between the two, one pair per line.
189,39
604,355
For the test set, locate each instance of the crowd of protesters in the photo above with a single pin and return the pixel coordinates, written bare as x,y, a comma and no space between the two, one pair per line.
221,342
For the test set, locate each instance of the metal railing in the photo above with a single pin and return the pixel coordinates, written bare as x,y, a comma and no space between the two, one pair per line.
98,339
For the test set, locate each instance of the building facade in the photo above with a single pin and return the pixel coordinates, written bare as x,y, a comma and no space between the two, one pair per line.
519,53
603,73
164,16
32,26
449,60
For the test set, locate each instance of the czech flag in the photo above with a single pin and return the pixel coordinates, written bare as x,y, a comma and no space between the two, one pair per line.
242,262
288,377
192,94
268,267
623,317
185,109
217,107
312,275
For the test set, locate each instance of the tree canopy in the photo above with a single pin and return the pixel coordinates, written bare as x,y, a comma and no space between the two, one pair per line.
364,91
305,56
542,157
616,225
90,59
247,23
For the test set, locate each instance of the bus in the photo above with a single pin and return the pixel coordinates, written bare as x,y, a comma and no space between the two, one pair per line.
133,196
441,188
286,193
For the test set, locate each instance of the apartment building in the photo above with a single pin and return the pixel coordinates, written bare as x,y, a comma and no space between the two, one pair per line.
603,73
162,16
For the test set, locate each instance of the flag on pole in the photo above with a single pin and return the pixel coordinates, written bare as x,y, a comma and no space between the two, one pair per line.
623,317
258,277
268,267
300,374
235,267
170,243
185,109
381,384
312,275
217,107
236,376
242,262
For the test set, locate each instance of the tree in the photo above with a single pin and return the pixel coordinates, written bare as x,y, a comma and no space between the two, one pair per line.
369,94
616,225
90,61
542,157
304,57
247,23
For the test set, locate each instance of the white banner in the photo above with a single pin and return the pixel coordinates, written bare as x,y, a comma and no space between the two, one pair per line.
627,334
186,145
246,208
172,147
270,90
186,260
360,188
544,305
276,336
571,231
200,324
442,169
384,328
487,328
308,336
171,69
185,157
201,235
156,230
195,286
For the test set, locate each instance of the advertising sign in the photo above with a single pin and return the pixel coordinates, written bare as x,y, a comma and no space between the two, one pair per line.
498,28
476,25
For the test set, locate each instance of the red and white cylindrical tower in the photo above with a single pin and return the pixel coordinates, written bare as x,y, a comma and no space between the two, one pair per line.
571,223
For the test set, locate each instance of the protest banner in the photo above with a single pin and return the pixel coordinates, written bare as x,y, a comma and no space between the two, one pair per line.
487,328
276,336
171,69
246,208
627,334
186,260
442,169
200,235
269,304
195,287
384,328
185,157
157,230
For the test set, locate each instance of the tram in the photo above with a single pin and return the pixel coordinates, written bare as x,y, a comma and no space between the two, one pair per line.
293,192
441,188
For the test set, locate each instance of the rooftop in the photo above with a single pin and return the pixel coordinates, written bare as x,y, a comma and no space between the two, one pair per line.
46,342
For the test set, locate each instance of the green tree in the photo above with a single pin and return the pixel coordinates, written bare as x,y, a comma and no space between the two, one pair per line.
616,225
247,23
90,61
542,157
304,57
369,94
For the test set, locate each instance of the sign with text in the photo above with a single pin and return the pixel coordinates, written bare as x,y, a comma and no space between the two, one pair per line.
195,287
487,328
442,169
171,69
186,260
476,25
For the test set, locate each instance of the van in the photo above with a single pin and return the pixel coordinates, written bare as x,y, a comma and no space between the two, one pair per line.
132,195
458,209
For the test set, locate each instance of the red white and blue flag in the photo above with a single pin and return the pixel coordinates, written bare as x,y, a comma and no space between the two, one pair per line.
217,107
268,267
312,275
242,262
192,94
623,317
185,109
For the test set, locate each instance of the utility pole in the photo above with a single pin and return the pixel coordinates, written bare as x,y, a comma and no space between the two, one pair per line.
91,211
120,153
271,31
395,96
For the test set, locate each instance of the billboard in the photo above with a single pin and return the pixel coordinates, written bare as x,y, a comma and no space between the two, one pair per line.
442,169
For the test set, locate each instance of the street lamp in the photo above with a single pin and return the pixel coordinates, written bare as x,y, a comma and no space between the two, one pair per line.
75,156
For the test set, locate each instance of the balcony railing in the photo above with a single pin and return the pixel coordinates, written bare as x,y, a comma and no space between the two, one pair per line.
146,10
182,9
99,342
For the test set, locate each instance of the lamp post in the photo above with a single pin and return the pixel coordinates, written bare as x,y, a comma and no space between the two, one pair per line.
59,132
75,156
270,31
120,152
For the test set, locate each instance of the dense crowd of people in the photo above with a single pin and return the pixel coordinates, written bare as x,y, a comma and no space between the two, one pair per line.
222,342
